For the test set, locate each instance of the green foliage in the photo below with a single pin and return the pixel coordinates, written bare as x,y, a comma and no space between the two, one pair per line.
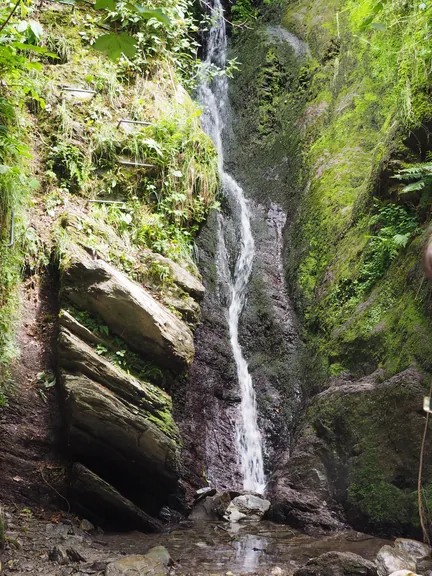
45,380
355,255
116,45
417,178
395,226
67,162
15,183
243,12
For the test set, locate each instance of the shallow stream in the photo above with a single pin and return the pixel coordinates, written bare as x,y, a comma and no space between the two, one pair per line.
213,548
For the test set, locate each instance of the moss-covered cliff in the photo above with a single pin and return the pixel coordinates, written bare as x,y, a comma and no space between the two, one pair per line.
338,102
105,178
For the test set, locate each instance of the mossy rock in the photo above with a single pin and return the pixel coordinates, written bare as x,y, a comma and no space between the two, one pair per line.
375,426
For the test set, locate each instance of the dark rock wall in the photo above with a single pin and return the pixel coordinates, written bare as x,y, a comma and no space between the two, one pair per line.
268,326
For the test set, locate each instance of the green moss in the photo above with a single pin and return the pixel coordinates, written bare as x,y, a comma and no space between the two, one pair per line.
352,289
267,96
377,437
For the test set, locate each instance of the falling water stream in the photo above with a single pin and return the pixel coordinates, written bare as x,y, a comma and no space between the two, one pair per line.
213,96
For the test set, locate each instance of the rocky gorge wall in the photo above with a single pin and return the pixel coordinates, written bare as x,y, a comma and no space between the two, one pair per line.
328,107
123,176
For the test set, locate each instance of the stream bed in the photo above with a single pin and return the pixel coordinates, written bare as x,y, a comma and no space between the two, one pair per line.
216,548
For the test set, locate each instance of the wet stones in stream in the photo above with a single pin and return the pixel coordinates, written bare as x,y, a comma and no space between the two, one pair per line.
337,564
230,506
246,507
405,555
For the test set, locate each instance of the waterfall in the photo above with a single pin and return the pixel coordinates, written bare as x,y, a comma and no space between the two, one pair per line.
213,95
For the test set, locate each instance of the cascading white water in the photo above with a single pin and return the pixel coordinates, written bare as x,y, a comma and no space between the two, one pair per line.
213,96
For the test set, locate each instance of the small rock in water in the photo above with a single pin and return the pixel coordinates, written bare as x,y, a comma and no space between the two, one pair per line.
86,526
391,560
248,507
136,565
404,573
413,547
161,554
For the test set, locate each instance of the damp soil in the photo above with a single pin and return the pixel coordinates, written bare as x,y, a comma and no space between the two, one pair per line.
32,468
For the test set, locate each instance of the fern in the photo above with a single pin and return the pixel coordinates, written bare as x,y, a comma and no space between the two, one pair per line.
419,177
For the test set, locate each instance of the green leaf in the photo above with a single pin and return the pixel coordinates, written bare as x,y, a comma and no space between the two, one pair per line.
148,13
36,28
378,26
22,26
401,240
31,47
114,45
105,4
34,66
414,186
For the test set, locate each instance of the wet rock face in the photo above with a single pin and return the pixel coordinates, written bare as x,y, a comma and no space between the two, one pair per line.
301,487
268,335
207,420
362,444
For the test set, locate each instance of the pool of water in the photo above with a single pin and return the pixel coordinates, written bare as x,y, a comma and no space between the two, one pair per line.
213,548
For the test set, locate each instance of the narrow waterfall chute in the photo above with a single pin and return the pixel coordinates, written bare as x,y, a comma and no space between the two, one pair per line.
213,96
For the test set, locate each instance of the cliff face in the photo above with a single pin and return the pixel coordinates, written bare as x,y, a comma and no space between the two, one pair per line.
337,103
119,175
106,179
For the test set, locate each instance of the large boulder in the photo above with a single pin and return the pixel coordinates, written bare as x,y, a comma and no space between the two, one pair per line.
127,308
99,500
390,559
246,507
211,506
302,488
179,275
362,443
337,564
415,548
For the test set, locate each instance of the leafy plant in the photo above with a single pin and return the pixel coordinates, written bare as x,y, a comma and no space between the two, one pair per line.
46,380
394,225
67,161
242,12
418,178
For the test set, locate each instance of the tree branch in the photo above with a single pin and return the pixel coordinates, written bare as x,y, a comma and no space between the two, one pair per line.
10,15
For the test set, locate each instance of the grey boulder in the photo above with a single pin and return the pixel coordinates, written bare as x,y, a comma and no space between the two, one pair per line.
337,564
246,507
413,547
390,559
